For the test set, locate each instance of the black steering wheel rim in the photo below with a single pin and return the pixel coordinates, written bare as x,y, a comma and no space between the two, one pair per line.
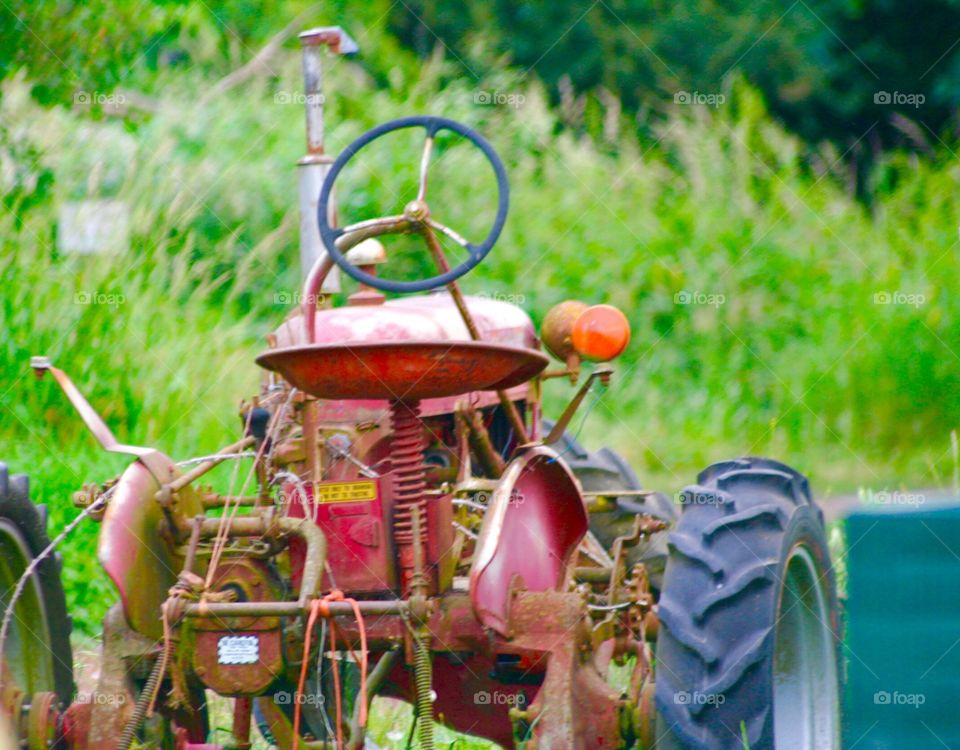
477,252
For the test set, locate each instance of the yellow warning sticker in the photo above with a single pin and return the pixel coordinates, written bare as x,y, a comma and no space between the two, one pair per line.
347,492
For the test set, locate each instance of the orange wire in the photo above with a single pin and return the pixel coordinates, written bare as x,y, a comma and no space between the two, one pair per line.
363,661
311,621
337,697
164,656
317,608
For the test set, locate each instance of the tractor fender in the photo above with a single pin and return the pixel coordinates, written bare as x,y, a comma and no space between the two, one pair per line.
534,523
132,549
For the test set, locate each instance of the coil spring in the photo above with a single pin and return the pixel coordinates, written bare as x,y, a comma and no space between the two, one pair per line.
406,453
143,701
424,681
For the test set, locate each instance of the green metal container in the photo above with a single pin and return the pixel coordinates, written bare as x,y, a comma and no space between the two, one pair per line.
902,613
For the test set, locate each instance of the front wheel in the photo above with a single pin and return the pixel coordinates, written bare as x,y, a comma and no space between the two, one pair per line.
748,649
36,656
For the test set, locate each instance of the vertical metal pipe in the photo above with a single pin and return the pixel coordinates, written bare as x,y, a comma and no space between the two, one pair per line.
313,91
313,167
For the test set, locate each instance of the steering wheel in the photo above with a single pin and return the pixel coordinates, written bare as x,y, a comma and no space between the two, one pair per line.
416,214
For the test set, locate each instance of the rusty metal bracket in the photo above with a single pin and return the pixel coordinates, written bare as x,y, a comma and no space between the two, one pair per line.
643,527
479,437
601,373
169,489
96,425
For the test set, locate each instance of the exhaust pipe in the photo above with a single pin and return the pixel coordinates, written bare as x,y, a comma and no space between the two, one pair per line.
313,167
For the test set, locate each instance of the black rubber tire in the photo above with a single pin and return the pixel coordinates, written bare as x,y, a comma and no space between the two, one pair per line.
720,599
30,521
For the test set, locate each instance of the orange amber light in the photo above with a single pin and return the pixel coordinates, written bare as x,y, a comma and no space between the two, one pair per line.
601,333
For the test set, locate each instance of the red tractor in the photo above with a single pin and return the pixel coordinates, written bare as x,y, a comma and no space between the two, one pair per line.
410,525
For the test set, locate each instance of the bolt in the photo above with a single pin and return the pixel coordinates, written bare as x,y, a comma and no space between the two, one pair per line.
416,210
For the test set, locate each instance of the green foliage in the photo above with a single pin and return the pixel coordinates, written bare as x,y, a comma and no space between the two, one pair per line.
74,48
819,63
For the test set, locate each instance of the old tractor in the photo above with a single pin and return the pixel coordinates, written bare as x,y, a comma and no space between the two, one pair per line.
408,524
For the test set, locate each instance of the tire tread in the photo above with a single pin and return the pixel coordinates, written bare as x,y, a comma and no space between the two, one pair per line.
721,578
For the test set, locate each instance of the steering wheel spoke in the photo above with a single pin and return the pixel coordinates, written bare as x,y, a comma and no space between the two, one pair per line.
425,166
416,216
352,235
453,235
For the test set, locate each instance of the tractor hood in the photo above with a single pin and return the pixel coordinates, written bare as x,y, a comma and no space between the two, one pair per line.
431,317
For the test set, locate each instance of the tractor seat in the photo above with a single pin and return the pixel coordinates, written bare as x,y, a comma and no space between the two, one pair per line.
403,370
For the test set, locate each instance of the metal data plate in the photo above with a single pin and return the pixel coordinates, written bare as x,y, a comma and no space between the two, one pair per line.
238,649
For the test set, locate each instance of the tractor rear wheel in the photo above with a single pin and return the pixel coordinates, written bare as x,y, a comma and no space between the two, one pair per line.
36,655
747,654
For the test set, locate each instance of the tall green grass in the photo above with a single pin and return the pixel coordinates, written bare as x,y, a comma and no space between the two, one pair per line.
786,350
